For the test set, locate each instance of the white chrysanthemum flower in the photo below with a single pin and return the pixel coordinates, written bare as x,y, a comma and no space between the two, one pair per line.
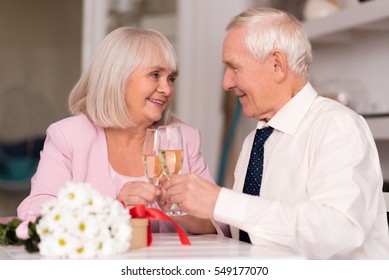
58,244
107,247
75,195
48,207
87,250
81,223
87,226
95,204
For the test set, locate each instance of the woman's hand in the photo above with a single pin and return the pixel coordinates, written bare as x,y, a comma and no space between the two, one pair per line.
161,199
138,192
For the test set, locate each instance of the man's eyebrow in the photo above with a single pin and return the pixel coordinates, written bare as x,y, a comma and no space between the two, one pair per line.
230,64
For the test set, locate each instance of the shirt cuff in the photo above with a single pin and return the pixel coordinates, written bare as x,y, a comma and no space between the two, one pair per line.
230,207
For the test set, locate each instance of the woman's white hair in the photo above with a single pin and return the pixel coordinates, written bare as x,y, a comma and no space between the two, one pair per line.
100,93
269,29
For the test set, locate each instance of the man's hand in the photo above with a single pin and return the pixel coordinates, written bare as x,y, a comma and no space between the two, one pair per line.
192,193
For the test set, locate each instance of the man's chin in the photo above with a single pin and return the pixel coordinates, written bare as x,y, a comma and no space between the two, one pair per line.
247,114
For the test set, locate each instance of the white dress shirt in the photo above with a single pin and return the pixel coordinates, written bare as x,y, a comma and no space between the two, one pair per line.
321,191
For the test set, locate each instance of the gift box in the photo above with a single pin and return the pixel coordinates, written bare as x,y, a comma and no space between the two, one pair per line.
139,232
140,212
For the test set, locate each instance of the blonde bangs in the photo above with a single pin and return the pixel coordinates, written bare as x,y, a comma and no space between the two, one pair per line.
155,51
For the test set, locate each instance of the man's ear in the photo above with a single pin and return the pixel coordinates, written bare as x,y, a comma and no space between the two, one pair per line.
280,64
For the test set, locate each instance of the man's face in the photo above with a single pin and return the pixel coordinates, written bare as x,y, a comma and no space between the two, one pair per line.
250,79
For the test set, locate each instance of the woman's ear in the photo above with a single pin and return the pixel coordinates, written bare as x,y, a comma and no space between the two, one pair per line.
280,64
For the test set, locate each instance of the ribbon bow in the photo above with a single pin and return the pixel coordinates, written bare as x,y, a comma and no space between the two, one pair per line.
140,211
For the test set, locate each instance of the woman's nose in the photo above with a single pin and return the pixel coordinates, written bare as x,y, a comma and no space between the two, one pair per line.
165,88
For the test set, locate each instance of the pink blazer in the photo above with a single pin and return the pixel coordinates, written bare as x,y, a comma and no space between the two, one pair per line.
76,150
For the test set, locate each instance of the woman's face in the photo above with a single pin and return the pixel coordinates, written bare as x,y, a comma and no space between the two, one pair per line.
148,93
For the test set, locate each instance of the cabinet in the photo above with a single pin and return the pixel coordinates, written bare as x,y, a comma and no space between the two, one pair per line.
352,45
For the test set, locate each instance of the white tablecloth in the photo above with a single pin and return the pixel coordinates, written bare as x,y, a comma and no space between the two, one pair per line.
168,246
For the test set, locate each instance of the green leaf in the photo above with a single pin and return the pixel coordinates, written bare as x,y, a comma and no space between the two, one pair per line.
31,244
8,233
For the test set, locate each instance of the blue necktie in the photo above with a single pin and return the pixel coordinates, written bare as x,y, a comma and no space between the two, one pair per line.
253,180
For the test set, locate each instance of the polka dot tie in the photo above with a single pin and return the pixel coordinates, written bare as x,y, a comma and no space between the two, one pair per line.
253,180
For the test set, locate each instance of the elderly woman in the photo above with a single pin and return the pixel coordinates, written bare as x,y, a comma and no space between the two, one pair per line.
127,89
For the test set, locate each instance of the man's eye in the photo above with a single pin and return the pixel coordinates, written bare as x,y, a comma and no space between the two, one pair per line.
233,68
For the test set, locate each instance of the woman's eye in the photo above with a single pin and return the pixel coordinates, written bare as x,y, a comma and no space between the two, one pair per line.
154,75
171,79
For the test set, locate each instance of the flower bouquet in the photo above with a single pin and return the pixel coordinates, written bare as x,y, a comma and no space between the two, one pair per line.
79,223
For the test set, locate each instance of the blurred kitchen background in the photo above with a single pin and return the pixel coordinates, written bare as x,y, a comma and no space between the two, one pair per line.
46,44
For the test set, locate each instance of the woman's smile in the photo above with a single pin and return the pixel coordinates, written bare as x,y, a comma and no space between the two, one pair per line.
159,102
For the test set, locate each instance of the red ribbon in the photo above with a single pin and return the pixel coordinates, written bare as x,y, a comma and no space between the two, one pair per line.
140,211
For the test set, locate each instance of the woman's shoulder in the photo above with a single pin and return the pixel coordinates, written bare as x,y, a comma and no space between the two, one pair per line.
189,133
78,125
191,136
187,128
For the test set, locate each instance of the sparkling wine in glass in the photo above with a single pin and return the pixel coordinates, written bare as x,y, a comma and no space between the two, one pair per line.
151,163
171,155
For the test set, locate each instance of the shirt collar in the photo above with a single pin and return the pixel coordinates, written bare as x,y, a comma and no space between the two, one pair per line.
289,118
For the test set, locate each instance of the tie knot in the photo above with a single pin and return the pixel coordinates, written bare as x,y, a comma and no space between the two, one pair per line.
262,134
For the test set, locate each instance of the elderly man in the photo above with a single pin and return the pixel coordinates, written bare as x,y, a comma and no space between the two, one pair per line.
308,178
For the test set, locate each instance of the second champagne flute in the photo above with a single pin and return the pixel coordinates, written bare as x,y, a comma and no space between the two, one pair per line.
171,154
151,163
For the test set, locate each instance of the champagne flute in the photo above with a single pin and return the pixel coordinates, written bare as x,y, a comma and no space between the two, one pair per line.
171,155
151,163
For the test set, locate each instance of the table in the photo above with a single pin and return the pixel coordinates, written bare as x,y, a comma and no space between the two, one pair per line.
168,246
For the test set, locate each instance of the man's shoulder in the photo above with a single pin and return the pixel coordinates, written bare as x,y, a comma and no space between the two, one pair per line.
332,108
331,112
